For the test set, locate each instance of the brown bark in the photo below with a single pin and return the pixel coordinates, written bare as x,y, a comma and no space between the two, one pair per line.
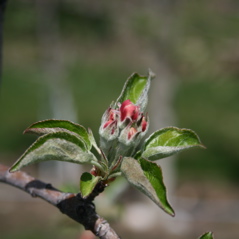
73,205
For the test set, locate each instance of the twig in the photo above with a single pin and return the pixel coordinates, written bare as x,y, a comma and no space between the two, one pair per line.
73,205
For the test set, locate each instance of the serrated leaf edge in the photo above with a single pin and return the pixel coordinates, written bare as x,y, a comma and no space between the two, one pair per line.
33,129
145,190
170,210
164,154
176,128
42,139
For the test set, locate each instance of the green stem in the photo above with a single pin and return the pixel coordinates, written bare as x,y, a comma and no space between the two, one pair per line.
113,175
98,165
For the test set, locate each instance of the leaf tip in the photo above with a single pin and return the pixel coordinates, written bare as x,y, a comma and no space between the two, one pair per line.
208,235
170,211
26,131
151,74
31,130
89,130
13,169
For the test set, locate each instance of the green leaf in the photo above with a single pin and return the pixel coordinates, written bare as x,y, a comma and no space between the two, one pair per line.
207,235
61,146
52,126
147,177
88,183
136,90
169,141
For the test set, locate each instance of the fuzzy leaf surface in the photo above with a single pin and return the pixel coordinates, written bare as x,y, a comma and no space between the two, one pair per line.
136,90
52,126
60,146
169,141
88,183
207,235
93,141
147,177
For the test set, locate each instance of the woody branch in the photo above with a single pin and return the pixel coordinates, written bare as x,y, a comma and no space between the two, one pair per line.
73,205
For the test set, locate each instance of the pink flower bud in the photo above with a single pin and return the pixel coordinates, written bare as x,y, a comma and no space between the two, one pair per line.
114,127
111,119
129,110
144,124
107,123
121,130
132,132
94,171
111,114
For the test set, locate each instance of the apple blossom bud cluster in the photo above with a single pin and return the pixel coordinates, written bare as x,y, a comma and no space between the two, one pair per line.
122,129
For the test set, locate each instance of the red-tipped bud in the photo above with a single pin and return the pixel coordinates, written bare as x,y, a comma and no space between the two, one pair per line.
106,182
110,118
107,123
129,110
144,124
94,171
112,114
110,121
132,132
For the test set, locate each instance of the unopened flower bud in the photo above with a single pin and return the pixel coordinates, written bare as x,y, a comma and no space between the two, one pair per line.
94,171
122,129
144,124
129,110
132,132
109,125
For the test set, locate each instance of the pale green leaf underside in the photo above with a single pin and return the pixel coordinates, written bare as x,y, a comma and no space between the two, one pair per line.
60,146
169,141
207,235
52,126
88,183
136,90
147,177
93,142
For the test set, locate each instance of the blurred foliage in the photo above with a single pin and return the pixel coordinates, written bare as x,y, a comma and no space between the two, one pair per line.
20,21
213,111
101,44
91,23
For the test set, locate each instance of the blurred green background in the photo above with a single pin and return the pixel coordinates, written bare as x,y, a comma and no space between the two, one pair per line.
69,59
